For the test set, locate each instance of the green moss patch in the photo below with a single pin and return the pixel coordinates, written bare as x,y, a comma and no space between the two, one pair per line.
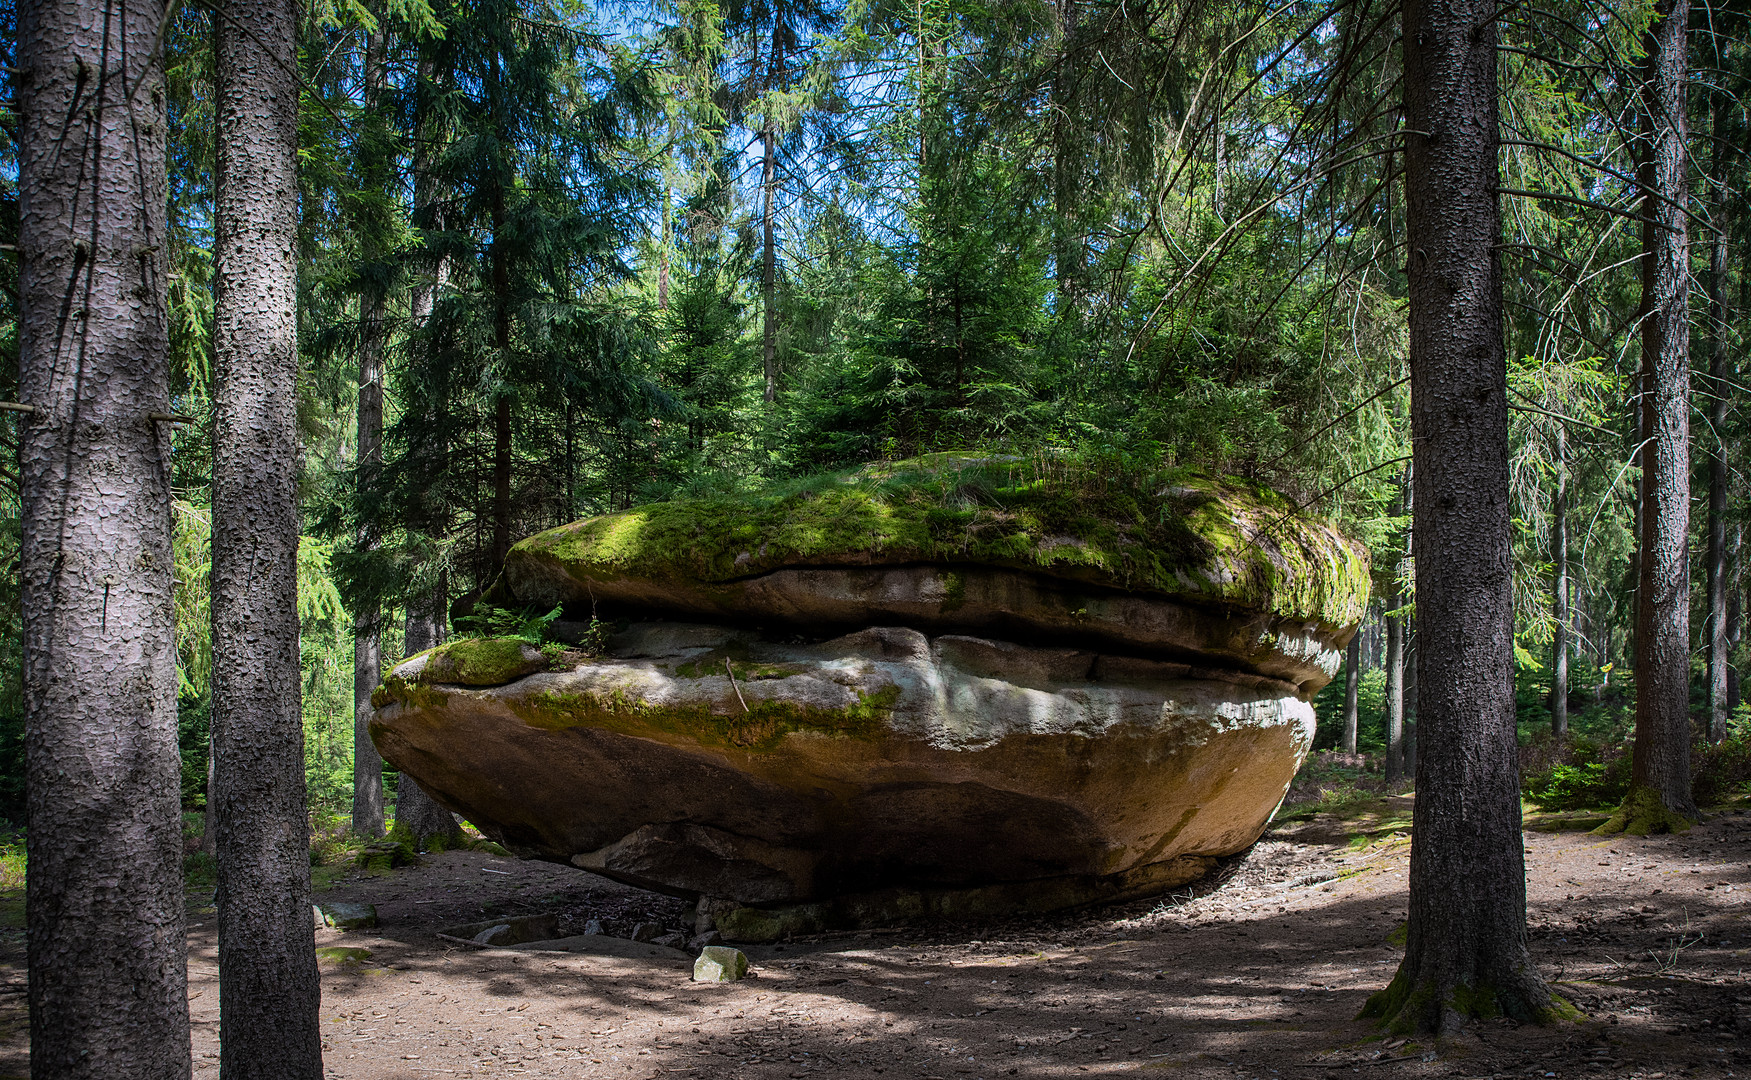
1644,813
487,661
490,661
336,954
1410,1006
1177,533
758,727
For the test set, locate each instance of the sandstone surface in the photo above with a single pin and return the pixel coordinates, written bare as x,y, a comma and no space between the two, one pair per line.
955,692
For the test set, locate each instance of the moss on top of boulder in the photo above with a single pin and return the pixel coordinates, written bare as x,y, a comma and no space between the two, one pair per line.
482,661
1177,533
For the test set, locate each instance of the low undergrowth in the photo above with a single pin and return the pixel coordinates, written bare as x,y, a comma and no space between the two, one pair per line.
1332,782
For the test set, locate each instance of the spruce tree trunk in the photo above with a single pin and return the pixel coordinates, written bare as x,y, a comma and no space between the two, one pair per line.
1735,613
663,251
416,813
104,911
1465,953
427,209
367,628
1394,692
769,259
1659,799
1067,168
1720,379
1638,431
501,181
501,482
1352,686
1397,639
1559,597
268,990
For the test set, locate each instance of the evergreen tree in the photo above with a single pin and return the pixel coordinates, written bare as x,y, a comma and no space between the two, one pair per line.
772,46
532,203
1465,951
1660,796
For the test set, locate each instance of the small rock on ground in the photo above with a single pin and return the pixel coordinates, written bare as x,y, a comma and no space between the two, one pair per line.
720,963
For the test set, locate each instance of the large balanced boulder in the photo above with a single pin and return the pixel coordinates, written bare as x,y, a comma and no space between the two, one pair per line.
952,686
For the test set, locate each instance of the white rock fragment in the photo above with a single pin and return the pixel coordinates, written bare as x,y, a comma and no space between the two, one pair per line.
720,963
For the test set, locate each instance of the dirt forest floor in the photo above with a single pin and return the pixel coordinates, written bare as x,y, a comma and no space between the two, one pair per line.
1257,973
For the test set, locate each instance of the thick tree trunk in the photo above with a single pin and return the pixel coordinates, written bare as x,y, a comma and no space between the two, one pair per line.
367,628
1559,596
269,995
416,813
1720,386
1352,687
1465,954
104,912
1659,799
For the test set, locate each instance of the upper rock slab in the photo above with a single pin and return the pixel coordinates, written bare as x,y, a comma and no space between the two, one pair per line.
1177,564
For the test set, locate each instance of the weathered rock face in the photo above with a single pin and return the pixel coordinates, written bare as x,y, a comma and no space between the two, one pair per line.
1079,717
877,759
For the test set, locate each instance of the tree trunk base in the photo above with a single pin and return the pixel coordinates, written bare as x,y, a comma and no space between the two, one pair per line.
1645,813
1441,1003
421,820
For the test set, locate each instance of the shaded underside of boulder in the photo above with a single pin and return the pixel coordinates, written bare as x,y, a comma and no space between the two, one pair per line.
764,770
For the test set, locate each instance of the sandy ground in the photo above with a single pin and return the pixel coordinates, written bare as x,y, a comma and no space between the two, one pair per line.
1256,975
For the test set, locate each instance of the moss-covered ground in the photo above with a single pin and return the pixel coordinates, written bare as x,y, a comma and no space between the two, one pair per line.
1177,533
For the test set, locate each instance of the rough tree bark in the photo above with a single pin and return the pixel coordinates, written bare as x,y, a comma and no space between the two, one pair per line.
1465,953
104,911
1735,615
1559,595
416,813
1659,798
367,625
1396,640
269,994
1352,686
1394,766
